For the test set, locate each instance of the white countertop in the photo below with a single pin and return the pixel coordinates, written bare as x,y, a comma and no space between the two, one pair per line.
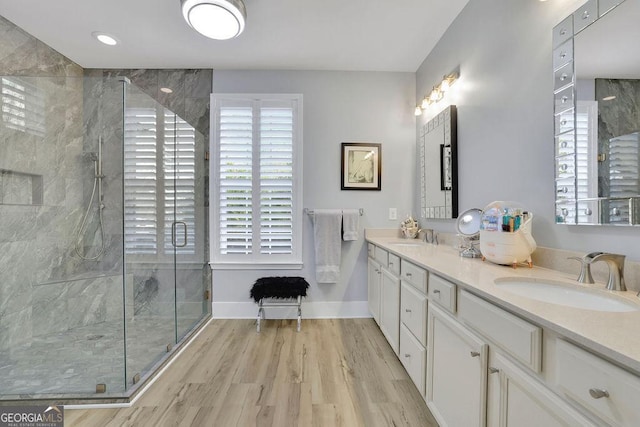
615,336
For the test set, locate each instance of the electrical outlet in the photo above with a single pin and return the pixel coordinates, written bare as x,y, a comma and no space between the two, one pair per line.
393,213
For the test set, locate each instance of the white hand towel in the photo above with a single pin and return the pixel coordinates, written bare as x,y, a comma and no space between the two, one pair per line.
350,222
326,233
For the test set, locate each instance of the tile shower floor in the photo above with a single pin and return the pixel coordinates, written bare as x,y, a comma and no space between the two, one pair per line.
75,361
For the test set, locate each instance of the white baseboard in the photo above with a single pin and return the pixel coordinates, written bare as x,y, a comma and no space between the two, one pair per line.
310,310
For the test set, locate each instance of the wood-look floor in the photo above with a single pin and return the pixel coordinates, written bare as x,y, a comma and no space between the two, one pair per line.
335,372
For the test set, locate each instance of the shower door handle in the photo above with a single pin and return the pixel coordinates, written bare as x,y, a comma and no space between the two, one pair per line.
174,239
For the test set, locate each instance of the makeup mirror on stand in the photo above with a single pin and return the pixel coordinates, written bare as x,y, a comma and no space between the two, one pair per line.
468,226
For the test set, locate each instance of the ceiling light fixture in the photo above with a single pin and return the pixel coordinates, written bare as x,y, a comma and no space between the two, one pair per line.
215,19
105,38
166,90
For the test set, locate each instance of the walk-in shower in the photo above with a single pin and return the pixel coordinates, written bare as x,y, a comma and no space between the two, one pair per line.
102,272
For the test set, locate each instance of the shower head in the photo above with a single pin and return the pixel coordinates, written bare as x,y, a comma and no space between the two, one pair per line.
90,156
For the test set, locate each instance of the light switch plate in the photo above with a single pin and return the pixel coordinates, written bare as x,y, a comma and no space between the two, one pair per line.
393,213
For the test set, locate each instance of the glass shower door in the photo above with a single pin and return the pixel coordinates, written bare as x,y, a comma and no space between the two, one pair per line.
149,261
184,166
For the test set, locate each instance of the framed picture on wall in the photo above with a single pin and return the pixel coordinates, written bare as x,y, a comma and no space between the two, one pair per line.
445,167
361,166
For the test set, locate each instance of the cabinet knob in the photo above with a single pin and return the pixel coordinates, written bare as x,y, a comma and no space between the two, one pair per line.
493,370
436,292
597,393
408,274
475,354
407,355
408,310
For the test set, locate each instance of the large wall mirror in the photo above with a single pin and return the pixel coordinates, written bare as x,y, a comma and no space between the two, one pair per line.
439,166
596,63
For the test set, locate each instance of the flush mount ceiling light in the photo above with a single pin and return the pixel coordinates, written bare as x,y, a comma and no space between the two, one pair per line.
216,19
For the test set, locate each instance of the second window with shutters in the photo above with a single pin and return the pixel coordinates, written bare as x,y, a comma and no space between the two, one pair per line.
256,180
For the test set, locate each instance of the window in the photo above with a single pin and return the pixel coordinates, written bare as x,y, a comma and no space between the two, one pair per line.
160,186
256,179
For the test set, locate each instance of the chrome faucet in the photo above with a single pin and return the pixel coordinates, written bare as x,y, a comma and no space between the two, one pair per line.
585,268
616,270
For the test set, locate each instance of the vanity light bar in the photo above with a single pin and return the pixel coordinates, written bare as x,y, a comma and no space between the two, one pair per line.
437,92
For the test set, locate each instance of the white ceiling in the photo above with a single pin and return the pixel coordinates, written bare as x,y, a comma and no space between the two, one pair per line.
357,35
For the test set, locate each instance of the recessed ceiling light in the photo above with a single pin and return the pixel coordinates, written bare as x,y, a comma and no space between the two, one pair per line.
216,19
166,90
105,38
609,98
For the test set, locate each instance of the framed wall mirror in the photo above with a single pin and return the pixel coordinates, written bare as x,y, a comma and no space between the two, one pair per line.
596,62
438,166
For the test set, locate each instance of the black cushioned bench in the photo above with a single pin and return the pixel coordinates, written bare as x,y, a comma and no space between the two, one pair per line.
279,288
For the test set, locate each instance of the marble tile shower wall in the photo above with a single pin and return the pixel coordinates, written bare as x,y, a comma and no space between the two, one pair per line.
36,237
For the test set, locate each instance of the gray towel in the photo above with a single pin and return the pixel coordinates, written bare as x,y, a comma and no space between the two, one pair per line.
350,222
326,233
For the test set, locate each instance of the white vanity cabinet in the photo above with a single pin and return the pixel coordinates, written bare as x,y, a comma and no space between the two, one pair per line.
374,281
390,308
413,322
516,399
456,372
384,293
374,278
602,388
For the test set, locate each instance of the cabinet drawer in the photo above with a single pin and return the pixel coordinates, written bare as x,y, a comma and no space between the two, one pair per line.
414,275
442,292
381,256
394,264
413,356
413,311
515,336
588,380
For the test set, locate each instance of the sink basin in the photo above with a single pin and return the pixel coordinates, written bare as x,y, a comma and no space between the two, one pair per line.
566,295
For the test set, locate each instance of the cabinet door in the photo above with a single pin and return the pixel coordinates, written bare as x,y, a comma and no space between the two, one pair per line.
373,279
515,399
390,309
456,372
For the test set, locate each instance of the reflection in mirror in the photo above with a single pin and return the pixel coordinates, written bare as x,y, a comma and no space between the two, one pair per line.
438,166
597,115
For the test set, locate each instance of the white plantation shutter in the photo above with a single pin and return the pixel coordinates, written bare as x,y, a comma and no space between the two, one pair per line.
235,169
179,157
623,176
140,181
256,176
159,184
587,159
623,165
276,180
22,105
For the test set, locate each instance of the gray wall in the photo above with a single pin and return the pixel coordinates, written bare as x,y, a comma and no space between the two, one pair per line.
505,116
338,107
